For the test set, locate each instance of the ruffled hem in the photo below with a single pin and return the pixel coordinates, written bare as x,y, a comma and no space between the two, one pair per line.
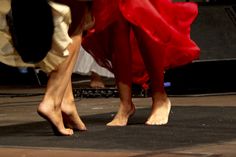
166,23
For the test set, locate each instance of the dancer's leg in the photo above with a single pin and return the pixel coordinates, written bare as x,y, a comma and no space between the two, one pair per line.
96,81
153,56
122,69
126,107
69,111
50,107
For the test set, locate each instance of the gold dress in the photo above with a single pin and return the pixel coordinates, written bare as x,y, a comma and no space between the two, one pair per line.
61,39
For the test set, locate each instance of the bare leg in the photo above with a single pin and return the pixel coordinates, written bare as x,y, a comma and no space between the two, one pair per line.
126,108
69,111
160,109
154,62
122,69
96,81
50,107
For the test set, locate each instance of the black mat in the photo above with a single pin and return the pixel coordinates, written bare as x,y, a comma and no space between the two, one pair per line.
188,126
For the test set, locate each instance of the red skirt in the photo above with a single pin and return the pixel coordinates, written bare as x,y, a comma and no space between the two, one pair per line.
167,24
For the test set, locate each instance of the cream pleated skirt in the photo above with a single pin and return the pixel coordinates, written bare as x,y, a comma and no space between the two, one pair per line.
61,39
86,64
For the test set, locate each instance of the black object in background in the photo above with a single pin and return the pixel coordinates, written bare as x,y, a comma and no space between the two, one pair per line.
31,26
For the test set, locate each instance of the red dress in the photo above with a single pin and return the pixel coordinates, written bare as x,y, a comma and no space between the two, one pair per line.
166,23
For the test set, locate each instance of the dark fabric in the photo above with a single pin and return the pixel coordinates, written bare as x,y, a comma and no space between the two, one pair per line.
31,26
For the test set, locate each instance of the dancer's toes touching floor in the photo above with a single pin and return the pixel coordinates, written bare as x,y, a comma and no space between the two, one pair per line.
54,116
123,115
160,110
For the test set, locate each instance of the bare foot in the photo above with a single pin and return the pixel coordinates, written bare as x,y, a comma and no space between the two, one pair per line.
122,116
160,113
71,117
96,81
54,117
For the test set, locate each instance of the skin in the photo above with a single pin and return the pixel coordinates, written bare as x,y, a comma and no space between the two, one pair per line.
58,106
96,81
122,69
58,99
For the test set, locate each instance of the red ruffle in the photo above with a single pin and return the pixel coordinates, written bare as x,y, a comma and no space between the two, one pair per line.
167,24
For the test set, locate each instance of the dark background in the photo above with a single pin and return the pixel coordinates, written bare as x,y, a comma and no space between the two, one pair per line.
214,31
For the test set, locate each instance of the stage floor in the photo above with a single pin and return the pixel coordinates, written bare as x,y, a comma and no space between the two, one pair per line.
198,126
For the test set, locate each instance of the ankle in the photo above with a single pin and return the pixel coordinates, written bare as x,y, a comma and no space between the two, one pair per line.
159,96
48,105
127,107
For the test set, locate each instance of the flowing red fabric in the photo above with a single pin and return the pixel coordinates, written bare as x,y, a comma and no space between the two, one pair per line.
166,23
